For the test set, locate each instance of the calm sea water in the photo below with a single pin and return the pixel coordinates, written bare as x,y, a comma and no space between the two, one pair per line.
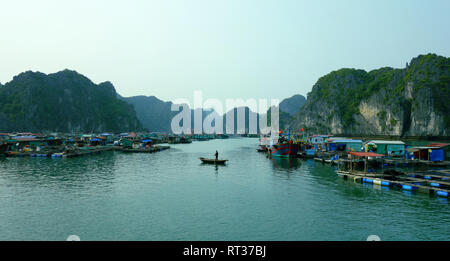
171,196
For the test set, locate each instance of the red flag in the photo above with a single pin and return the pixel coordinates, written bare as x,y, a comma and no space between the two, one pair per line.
303,129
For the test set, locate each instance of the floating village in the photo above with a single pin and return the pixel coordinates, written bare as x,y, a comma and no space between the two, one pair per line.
384,163
57,145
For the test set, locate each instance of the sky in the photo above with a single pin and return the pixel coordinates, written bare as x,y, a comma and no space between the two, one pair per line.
227,49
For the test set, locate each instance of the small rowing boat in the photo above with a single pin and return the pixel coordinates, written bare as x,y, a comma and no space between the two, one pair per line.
213,161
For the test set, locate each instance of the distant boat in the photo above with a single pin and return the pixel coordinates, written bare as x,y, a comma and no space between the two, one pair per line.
213,161
262,148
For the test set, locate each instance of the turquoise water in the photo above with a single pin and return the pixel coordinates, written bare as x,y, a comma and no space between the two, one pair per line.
171,196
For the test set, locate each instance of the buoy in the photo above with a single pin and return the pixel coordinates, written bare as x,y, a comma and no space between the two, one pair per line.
427,177
435,184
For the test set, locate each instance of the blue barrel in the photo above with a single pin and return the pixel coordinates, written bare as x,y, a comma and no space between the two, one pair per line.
32,155
427,177
408,187
442,193
369,180
435,184
385,183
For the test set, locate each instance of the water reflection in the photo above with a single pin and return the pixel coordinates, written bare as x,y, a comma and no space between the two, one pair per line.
171,196
67,172
286,163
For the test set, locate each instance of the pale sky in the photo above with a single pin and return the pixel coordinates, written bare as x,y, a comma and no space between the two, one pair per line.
227,48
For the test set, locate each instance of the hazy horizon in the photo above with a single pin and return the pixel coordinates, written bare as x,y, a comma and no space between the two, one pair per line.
227,49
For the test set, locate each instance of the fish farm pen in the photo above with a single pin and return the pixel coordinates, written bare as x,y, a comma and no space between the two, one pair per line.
83,151
145,150
378,172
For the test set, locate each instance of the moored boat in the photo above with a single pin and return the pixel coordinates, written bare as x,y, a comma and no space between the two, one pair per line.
287,149
261,148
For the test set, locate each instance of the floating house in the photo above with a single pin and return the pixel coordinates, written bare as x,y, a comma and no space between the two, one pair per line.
54,141
434,152
426,153
107,137
343,145
131,143
318,139
86,138
445,147
386,147
146,143
97,141
25,142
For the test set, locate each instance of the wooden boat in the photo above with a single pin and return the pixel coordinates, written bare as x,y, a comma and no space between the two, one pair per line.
213,161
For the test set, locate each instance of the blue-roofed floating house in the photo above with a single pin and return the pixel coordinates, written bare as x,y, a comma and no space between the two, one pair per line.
343,145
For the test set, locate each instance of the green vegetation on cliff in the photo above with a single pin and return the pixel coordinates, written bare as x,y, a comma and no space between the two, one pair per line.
406,99
65,101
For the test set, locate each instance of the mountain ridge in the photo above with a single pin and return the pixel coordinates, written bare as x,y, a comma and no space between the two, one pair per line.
65,101
410,101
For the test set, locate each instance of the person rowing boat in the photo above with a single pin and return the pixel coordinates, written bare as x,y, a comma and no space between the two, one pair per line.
215,160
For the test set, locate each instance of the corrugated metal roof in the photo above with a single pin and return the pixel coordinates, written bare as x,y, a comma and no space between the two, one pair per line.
27,139
366,154
346,141
414,149
439,145
395,142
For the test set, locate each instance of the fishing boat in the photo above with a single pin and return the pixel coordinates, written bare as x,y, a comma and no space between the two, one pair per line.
285,147
213,161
